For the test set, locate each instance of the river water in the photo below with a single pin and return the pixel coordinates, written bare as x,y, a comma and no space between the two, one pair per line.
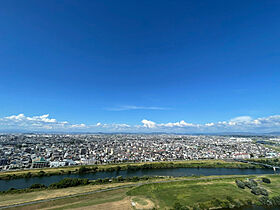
176,172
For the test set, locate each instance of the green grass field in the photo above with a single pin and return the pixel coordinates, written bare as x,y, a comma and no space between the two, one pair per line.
274,187
189,193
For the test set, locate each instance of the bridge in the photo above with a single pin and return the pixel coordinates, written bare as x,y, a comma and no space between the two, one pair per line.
257,163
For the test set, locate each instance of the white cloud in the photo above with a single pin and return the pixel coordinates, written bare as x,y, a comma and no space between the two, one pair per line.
45,122
42,118
241,119
241,123
209,124
180,124
148,124
78,126
170,125
16,117
40,122
126,108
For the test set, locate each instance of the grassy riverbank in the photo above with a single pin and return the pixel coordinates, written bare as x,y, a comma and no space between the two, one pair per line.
78,201
16,198
208,193
213,191
124,166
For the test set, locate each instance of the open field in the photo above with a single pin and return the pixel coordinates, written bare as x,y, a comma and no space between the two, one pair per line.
10,199
124,204
16,198
102,200
205,191
125,166
274,187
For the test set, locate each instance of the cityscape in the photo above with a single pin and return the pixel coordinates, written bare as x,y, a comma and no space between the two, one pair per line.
25,151
140,105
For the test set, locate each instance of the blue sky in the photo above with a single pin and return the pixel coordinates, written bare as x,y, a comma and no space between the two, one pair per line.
117,63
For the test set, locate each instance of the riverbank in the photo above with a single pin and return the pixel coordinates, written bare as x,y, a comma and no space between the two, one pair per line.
73,182
269,161
124,166
173,172
161,194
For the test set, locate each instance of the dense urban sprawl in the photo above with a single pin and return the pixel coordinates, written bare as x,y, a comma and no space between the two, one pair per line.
19,151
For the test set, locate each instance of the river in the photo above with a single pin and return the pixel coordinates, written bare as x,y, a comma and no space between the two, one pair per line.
176,172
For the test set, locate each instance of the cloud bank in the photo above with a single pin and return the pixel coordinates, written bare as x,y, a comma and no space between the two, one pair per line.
46,123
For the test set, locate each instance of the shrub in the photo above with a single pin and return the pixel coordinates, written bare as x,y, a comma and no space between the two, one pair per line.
106,180
264,192
196,208
69,182
259,191
256,191
265,201
240,184
266,180
83,169
99,181
230,199
27,175
226,204
216,202
249,202
251,183
275,200
203,206
135,179
37,186
119,178
179,206
237,204
41,173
